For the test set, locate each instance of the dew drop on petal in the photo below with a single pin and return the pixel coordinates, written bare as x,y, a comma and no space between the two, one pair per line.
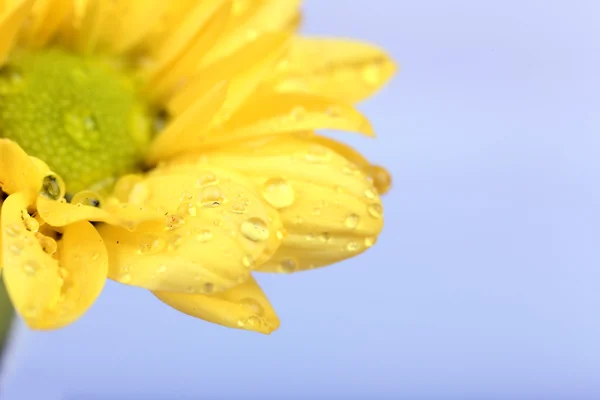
173,222
204,236
375,210
352,246
317,154
369,241
278,192
297,113
254,306
31,267
255,229
13,230
371,74
206,178
352,221
161,269
248,261
371,195
210,196
124,278
288,265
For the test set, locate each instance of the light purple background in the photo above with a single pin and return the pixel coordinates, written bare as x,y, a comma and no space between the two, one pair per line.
485,283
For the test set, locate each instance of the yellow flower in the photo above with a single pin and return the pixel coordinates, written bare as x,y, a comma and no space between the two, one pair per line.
171,146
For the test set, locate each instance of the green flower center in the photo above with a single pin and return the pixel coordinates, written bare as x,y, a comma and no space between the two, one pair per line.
81,115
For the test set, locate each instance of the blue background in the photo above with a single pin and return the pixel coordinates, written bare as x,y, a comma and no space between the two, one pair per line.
485,283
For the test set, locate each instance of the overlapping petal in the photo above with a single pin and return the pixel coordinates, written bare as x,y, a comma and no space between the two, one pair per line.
244,306
215,228
329,208
51,281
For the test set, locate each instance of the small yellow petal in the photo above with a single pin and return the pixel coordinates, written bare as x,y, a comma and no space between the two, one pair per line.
18,173
44,20
251,19
214,229
49,286
268,113
242,307
11,18
329,208
341,69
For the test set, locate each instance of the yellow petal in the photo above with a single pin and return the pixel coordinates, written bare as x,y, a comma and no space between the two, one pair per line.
382,180
342,69
50,291
12,16
44,20
175,71
18,173
244,70
329,208
214,229
186,130
242,307
251,19
268,113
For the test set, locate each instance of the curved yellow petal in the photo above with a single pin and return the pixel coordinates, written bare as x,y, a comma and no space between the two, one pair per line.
251,19
44,20
50,288
381,178
329,208
18,173
270,113
244,70
214,229
187,129
342,69
12,16
244,306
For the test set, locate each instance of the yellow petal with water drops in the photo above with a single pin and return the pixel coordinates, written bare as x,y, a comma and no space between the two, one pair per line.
214,229
244,70
175,71
329,208
18,173
251,19
380,177
242,307
44,21
187,130
12,15
50,285
269,113
347,70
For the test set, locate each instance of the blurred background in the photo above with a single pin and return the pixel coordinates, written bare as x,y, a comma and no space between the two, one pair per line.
485,282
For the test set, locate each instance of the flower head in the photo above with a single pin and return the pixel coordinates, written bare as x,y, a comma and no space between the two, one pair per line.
172,146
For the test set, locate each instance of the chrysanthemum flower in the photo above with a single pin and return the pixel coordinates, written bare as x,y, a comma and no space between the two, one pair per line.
172,146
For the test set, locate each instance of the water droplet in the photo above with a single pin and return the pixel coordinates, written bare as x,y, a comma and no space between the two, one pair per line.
82,127
352,221
206,178
173,222
31,267
278,192
46,243
255,229
13,230
186,196
152,246
316,211
254,320
375,210
297,113
371,195
279,234
352,246
86,198
381,178
254,306
31,224
288,265
124,278
204,236
208,288
16,248
187,209
325,237
53,187
210,196
369,241
161,269
239,207
175,241
248,261
317,154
